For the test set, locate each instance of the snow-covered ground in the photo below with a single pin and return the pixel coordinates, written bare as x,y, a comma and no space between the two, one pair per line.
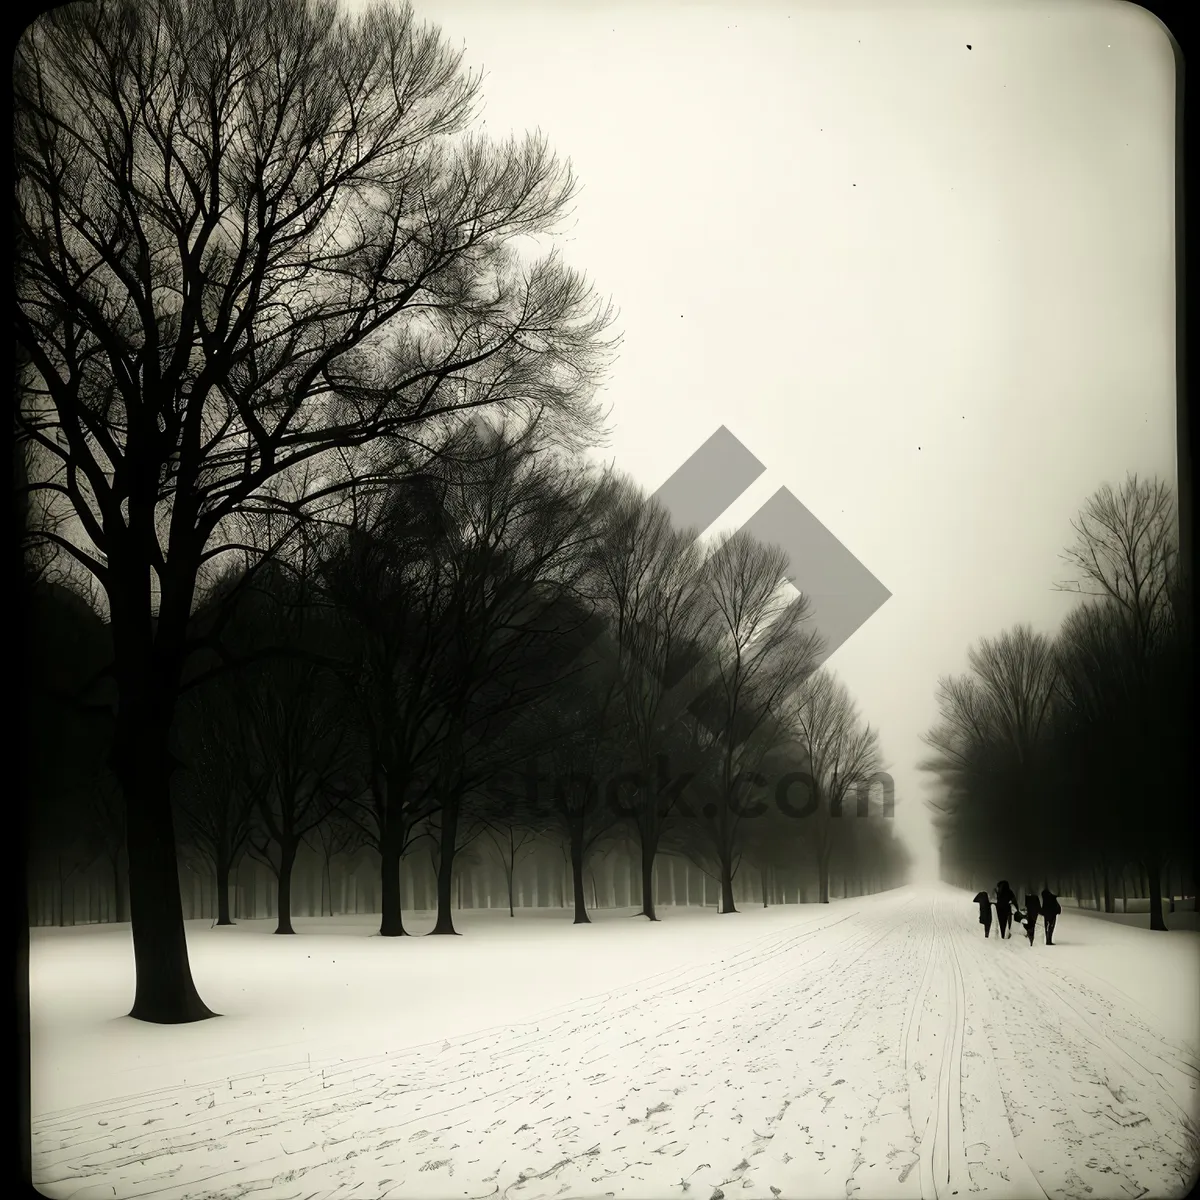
876,1046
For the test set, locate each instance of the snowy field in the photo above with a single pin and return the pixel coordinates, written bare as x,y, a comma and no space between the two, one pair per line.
876,1047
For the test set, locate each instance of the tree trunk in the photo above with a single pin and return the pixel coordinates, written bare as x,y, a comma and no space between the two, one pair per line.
649,849
223,868
164,992
391,922
287,860
762,881
727,904
1124,890
581,916
1154,882
509,875
445,874
1108,889
822,878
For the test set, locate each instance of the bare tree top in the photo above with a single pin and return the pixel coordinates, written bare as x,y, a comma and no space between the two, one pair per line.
1126,550
842,751
258,251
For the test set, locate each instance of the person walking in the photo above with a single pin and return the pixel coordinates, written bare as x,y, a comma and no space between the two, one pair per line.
985,912
1050,910
1006,901
1032,909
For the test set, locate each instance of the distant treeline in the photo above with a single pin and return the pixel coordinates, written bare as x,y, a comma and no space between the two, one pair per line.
375,698
88,893
1066,760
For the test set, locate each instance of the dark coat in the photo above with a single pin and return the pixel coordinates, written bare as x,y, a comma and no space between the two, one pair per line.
985,908
1050,904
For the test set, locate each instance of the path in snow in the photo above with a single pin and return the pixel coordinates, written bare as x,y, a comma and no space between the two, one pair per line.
885,1050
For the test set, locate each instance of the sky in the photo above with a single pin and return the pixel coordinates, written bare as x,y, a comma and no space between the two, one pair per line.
918,259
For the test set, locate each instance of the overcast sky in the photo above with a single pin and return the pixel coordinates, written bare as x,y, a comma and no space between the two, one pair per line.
918,259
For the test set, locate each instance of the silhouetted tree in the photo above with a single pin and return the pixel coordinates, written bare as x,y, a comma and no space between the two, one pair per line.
760,653
390,595
1126,553
511,839
650,582
255,251
334,837
1123,693
294,741
842,755
217,791
1049,749
522,525
579,750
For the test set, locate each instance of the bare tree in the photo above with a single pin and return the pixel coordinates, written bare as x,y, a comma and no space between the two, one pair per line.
384,579
523,527
993,749
216,792
577,734
1044,747
1126,552
297,750
255,250
843,755
761,652
335,836
651,585
512,843
1127,721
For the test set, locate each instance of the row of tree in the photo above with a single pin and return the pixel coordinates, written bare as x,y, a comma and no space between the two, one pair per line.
267,274
1065,759
77,886
498,648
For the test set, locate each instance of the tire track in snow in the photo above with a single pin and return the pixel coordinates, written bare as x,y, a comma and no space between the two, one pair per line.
1103,1037
1084,1117
778,1069
1004,1159
942,1163
948,1152
917,1005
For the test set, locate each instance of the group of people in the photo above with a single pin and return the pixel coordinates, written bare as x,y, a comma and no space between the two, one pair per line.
1008,912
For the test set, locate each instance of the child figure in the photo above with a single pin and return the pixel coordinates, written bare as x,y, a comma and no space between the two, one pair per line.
985,912
1032,911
